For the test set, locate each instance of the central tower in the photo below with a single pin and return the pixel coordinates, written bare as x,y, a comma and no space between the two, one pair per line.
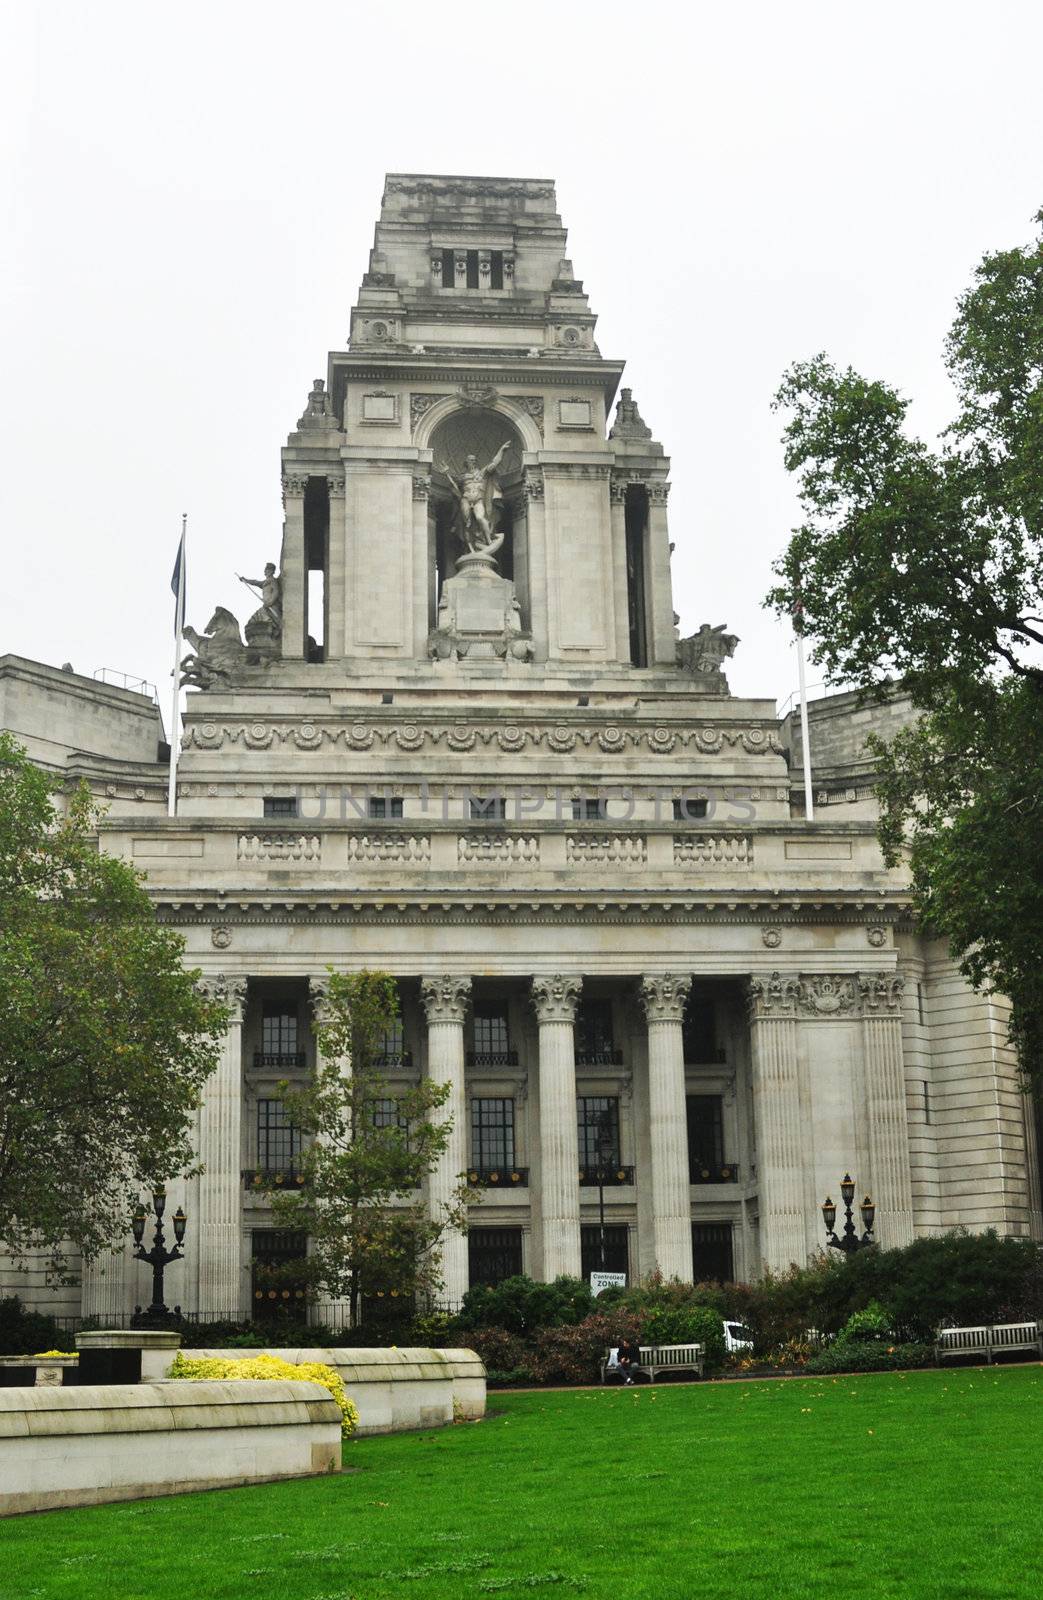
453,505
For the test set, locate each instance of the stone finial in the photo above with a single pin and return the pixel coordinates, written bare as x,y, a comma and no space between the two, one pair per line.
663,995
555,998
629,423
445,998
318,414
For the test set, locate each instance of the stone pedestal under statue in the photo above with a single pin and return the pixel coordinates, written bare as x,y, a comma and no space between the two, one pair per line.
478,615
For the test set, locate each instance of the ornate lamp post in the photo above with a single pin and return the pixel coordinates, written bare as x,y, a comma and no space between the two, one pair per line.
850,1241
159,1257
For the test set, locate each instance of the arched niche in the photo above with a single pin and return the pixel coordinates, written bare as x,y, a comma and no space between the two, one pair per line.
479,431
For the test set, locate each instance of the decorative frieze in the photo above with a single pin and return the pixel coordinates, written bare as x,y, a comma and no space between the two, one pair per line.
555,997
499,849
606,849
559,738
825,994
664,994
445,998
713,849
404,848
279,847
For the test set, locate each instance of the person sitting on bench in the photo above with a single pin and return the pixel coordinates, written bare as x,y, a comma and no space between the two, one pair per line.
629,1358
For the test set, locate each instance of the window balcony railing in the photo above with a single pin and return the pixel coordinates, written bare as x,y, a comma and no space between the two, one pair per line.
606,1177
492,1058
261,1178
498,1177
279,1058
393,1058
716,1172
608,1057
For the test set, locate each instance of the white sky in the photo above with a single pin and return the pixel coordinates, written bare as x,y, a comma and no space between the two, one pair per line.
191,202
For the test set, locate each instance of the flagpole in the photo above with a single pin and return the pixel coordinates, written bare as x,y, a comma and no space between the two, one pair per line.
175,696
802,680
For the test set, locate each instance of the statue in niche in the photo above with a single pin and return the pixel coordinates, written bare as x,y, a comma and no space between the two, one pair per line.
216,654
264,629
478,503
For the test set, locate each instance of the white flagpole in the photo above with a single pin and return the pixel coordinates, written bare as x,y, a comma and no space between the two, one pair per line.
175,698
809,804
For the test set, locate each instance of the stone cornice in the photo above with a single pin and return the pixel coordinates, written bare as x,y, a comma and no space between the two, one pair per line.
555,997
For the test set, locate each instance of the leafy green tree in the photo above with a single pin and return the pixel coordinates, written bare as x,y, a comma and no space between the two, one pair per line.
106,1041
370,1151
925,566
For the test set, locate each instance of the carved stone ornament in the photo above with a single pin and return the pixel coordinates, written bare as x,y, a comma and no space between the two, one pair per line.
220,938
421,487
828,995
881,994
703,653
877,937
477,396
319,1000
420,405
663,995
629,423
445,998
532,484
294,483
774,996
771,938
230,992
318,413
554,998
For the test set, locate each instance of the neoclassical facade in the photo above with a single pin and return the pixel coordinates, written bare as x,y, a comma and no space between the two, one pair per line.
460,741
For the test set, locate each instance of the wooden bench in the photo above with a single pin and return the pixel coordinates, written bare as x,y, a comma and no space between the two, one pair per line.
987,1341
659,1358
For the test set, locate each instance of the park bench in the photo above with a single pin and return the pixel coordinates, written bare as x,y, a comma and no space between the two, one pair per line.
988,1341
658,1358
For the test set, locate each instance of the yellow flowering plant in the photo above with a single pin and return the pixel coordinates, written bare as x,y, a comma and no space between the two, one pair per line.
215,1368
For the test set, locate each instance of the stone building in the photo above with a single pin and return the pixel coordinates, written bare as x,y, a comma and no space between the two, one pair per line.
461,742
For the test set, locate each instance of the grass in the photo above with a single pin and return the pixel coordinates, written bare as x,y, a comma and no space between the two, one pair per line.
923,1486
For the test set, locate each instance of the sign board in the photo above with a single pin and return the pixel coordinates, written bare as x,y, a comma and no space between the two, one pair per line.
607,1280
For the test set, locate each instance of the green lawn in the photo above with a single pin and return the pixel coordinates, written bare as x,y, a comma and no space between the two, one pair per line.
926,1484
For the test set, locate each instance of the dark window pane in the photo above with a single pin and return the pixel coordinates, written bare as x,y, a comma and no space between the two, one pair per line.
472,269
496,269
392,1043
594,1028
616,1250
384,808
705,1134
279,806
279,1033
491,1034
448,269
278,1141
488,809
699,1030
712,1252
494,1254
275,1287
384,1113
688,808
492,1134
597,1118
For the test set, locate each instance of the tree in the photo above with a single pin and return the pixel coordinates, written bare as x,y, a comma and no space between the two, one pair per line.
105,1042
370,1152
926,566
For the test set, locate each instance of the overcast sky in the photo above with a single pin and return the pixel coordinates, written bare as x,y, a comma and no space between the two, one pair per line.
192,195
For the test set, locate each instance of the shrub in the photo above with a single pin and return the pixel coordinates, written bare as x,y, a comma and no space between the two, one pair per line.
691,1324
501,1351
870,1355
23,1331
574,1354
865,1326
434,1329
522,1306
201,1368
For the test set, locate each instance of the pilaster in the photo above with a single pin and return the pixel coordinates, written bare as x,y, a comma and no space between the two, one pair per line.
663,997
445,999
886,1111
554,1000
777,1117
292,568
220,1154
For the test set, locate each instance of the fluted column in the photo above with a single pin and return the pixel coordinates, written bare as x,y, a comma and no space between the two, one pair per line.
220,1152
105,1294
332,1312
554,1000
663,996
293,571
886,1108
445,999
776,1110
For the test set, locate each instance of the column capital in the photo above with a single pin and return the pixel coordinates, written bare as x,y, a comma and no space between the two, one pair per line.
663,995
230,991
445,998
555,997
881,993
319,999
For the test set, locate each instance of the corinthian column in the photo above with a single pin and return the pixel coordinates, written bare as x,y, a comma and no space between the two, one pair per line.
334,1312
554,1000
776,1110
445,1000
219,1231
663,996
888,1131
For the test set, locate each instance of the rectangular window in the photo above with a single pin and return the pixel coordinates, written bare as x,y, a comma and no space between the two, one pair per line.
392,1051
280,806
492,1040
689,808
712,1259
496,269
472,269
492,1135
279,1143
276,1286
448,269
617,1253
384,1113
594,1042
705,1137
384,808
588,810
279,1036
597,1119
494,1254
491,808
